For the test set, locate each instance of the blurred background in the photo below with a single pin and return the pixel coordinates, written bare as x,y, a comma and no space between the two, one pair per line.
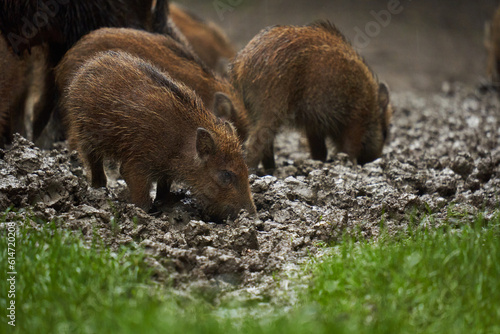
422,44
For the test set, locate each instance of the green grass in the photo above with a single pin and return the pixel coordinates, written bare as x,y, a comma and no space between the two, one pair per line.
62,286
426,282
65,286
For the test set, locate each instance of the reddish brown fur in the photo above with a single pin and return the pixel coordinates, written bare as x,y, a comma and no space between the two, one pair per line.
13,89
123,108
310,77
206,38
169,56
492,41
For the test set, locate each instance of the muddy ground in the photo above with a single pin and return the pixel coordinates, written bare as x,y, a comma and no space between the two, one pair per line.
443,150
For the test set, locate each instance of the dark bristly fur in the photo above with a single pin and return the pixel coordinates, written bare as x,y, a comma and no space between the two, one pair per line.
73,19
170,57
123,108
310,77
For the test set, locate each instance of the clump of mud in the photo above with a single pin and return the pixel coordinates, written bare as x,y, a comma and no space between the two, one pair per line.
444,150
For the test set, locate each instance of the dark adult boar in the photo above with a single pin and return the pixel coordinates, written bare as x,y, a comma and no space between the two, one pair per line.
13,90
55,25
61,23
206,38
123,108
170,57
310,77
492,42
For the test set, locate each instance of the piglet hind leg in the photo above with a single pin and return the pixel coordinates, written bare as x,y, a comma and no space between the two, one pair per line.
260,145
95,166
163,194
317,145
268,158
138,184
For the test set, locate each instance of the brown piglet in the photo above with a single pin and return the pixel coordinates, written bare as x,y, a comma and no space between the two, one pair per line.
206,38
169,56
122,108
311,78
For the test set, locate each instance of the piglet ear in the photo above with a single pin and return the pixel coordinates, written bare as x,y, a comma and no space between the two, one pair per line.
205,144
383,96
223,106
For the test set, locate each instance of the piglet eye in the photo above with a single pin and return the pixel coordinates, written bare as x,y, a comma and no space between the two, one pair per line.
226,177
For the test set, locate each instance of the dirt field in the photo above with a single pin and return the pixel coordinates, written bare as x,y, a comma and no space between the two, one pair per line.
444,150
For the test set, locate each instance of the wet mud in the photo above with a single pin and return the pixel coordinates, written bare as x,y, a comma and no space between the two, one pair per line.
443,155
